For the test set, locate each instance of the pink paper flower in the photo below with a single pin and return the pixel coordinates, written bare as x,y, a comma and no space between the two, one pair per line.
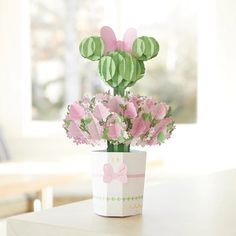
94,129
100,111
159,111
114,104
76,112
160,127
113,118
75,133
133,119
73,130
130,110
149,105
102,97
114,131
139,127
85,101
134,99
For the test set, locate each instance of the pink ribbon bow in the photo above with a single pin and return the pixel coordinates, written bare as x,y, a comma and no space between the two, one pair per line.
110,175
111,43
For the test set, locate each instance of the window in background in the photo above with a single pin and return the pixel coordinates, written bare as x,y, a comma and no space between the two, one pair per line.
60,76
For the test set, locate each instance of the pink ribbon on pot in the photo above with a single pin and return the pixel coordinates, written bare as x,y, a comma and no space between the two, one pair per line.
110,175
111,43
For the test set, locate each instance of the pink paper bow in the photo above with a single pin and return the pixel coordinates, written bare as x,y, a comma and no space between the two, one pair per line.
110,175
111,43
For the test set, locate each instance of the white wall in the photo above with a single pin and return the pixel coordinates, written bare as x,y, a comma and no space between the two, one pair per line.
226,51
10,66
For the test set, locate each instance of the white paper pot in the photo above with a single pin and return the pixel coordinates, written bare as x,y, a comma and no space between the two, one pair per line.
118,182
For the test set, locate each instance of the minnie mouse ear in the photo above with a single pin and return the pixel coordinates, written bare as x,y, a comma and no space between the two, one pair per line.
144,48
129,37
109,39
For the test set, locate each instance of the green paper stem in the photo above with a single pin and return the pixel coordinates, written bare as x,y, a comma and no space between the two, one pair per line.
117,147
119,91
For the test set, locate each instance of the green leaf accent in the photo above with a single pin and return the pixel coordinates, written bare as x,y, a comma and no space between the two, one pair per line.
86,121
170,127
105,134
147,116
160,137
121,139
169,112
67,123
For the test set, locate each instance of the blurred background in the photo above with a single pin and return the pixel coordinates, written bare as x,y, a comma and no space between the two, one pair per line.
41,72
59,75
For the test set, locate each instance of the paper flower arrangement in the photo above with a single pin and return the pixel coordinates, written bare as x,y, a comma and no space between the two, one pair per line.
122,119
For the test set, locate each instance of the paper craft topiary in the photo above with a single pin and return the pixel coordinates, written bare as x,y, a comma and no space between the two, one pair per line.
121,63
121,118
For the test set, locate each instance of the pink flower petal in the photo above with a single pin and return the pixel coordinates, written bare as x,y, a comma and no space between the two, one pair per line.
130,110
114,104
134,100
139,127
75,133
159,128
159,111
114,131
94,129
149,105
100,111
76,112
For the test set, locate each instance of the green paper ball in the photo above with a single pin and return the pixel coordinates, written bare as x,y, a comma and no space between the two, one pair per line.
92,48
121,69
107,68
145,48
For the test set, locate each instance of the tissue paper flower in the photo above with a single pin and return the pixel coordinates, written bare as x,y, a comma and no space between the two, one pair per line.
131,120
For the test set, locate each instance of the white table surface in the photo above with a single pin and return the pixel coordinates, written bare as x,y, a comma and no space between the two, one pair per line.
202,206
